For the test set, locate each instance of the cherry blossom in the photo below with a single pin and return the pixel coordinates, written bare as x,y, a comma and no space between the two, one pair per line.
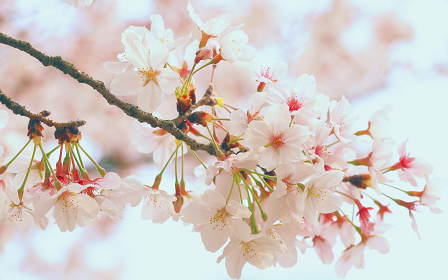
71,207
157,205
281,142
270,75
156,141
239,120
258,251
221,219
379,124
317,196
410,167
151,78
342,119
432,193
233,47
212,27
300,99
354,255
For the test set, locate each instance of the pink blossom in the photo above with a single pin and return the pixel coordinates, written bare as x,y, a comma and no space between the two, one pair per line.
410,167
221,219
341,119
71,207
258,251
212,27
280,141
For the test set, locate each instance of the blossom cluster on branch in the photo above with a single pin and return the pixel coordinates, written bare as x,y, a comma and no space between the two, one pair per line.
284,169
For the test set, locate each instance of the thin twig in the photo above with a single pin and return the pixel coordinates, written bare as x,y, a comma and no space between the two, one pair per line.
18,109
129,109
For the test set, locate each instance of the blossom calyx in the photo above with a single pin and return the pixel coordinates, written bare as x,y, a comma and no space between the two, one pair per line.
3,169
35,129
201,117
361,181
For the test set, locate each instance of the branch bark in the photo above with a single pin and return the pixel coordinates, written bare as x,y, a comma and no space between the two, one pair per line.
18,109
129,109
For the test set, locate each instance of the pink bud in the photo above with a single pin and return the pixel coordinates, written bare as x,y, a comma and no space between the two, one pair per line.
203,54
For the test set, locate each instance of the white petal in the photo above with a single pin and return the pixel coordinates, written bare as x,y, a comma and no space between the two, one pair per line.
158,55
150,97
168,80
127,83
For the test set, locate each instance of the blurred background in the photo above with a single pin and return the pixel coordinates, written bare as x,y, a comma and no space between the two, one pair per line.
375,52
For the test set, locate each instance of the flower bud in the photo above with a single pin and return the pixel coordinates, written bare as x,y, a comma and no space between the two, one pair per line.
203,54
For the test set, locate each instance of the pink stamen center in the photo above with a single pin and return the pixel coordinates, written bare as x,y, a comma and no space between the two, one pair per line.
277,140
267,72
406,161
294,103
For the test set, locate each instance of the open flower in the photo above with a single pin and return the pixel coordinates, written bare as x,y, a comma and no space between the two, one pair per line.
151,78
318,198
301,98
233,47
71,207
239,120
342,119
156,140
258,251
212,27
281,141
410,167
165,36
221,219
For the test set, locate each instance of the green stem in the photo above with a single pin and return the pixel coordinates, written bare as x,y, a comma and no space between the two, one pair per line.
201,135
197,157
79,155
345,195
166,164
203,66
333,143
259,174
100,170
57,184
14,158
182,151
213,141
74,157
50,152
222,127
358,229
231,190
393,187
253,223
20,191
221,120
263,182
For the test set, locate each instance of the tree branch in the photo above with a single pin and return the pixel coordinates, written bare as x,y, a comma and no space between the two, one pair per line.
129,109
18,109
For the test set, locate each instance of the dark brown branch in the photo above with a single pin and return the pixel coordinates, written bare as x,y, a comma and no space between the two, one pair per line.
18,109
129,109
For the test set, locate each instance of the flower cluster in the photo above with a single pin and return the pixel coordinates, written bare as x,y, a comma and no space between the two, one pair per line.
284,169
